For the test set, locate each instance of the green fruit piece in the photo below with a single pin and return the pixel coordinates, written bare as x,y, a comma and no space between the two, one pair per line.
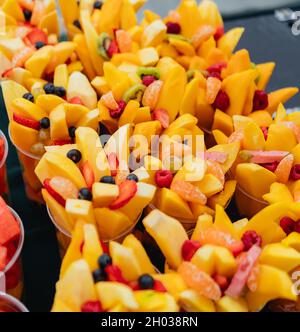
135,92
102,45
148,71
178,37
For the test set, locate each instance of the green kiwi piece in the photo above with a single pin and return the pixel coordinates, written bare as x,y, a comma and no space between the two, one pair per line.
135,92
102,45
179,37
148,71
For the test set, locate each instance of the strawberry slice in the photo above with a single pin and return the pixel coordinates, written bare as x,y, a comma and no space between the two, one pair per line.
113,48
114,273
21,57
7,72
9,228
76,101
162,116
189,249
104,247
33,124
127,191
262,157
60,200
61,142
37,35
113,163
159,287
246,264
3,258
219,157
92,306
88,174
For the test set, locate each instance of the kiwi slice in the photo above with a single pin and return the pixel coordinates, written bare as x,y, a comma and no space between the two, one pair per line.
179,37
135,92
191,73
148,71
103,43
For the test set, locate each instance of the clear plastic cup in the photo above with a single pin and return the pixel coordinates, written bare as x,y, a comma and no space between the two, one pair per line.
28,162
10,304
12,277
64,236
247,204
4,190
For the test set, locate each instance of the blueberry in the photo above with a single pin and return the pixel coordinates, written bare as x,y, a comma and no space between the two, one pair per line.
27,14
146,281
29,96
45,123
60,91
108,179
72,131
77,24
85,194
39,45
74,155
98,4
49,88
104,260
99,275
132,177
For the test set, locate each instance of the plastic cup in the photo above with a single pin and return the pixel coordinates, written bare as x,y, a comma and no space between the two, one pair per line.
4,190
10,304
64,236
247,204
11,279
28,163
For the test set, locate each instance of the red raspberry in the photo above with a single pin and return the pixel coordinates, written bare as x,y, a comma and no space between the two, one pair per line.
159,287
189,249
222,101
270,166
260,101
215,74
115,114
81,246
148,79
265,132
114,273
217,67
297,227
113,48
221,281
295,172
163,178
173,27
287,224
250,238
92,306
219,33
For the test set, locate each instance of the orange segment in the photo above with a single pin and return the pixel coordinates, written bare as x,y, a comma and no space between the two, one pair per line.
109,101
152,93
283,169
188,192
236,136
199,281
64,187
216,170
213,86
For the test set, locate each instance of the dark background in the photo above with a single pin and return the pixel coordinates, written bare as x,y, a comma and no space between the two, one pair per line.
265,37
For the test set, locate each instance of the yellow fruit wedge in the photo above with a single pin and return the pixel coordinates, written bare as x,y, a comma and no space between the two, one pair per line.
229,304
278,193
49,102
173,282
265,73
224,197
134,244
169,235
253,137
104,194
73,252
223,122
58,124
38,62
229,41
190,18
292,241
112,294
280,96
18,132
151,301
189,100
280,138
192,301
92,249
78,209
54,164
77,286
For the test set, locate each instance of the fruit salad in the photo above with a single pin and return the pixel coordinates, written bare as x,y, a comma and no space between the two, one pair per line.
11,242
82,181
266,167
114,278
231,267
4,191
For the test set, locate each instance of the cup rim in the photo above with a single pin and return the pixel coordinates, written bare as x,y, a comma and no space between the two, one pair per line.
69,235
21,242
2,136
27,154
12,300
